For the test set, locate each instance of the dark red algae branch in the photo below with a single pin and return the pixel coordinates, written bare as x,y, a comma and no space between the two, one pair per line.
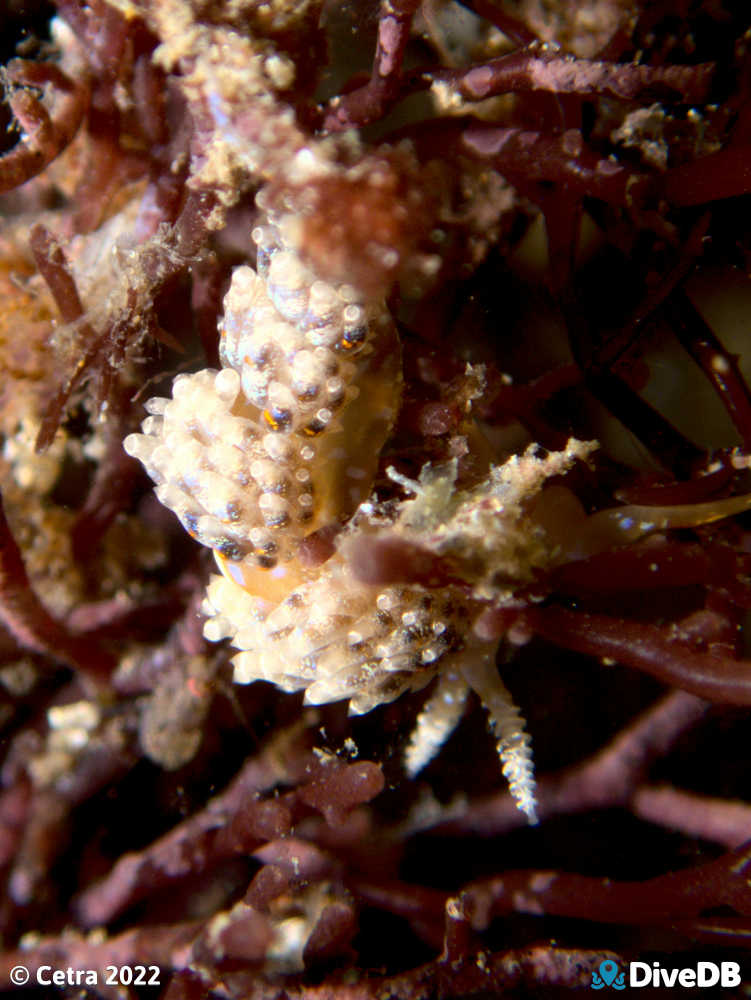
190,846
52,263
695,490
114,480
31,624
104,33
45,136
370,102
720,820
657,901
719,366
512,27
655,566
667,900
53,266
725,174
237,821
546,70
656,650
559,159
49,822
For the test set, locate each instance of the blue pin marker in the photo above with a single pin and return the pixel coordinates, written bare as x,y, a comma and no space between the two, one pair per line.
608,971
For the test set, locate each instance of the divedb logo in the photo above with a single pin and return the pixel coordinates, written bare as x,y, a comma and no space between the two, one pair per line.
639,974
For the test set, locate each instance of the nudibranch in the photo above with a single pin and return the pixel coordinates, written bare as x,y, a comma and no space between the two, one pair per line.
284,440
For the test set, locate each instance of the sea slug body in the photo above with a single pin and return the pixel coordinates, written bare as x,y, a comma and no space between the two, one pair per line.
285,440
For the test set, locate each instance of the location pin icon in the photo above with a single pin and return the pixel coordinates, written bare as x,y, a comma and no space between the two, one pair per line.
608,971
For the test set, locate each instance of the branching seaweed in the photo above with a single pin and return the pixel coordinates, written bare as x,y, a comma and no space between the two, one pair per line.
550,208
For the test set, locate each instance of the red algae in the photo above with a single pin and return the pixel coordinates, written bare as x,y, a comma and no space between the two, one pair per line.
413,259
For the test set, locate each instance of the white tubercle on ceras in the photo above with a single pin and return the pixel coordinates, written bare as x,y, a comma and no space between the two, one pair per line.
284,440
